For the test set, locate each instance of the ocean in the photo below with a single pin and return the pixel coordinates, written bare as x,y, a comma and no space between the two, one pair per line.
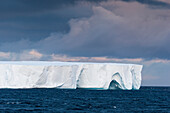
147,99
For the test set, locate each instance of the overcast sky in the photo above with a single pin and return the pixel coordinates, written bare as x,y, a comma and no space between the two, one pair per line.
125,31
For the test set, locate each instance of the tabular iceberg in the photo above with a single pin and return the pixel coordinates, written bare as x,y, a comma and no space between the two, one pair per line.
41,74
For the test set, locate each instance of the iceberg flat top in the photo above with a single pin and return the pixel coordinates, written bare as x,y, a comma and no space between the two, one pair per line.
56,63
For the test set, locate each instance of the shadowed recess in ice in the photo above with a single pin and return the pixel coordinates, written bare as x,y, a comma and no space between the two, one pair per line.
40,74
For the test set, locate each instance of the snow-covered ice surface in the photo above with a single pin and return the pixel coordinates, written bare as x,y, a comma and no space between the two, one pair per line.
42,74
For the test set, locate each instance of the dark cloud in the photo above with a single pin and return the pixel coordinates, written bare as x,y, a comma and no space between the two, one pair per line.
151,3
36,19
107,28
26,7
107,34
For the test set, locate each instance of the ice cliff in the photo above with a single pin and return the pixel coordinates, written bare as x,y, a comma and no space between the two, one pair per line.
40,74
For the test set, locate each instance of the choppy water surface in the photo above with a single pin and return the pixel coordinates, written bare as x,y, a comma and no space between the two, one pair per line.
147,99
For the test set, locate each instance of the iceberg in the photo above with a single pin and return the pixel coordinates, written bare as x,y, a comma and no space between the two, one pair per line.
72,75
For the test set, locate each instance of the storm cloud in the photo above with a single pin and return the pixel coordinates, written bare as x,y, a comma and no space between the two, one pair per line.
114,29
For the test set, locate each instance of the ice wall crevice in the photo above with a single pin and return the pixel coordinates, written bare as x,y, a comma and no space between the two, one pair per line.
119,82
41,74
42,78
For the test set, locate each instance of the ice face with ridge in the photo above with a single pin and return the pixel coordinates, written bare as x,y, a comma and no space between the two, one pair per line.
43,74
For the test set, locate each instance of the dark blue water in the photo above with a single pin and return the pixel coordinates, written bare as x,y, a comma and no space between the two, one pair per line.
147,99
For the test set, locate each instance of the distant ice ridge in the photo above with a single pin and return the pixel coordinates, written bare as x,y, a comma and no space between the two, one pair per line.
41,74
